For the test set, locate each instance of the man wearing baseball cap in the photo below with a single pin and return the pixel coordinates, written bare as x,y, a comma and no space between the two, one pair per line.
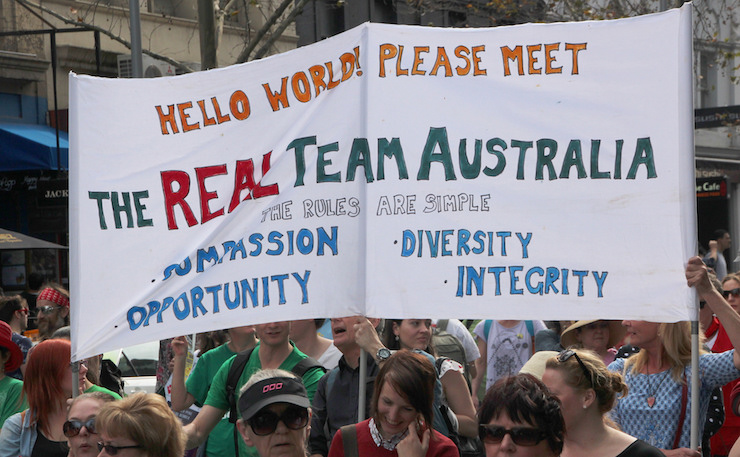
275,413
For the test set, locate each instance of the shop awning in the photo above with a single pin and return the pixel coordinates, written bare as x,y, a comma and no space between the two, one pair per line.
32,147
14,240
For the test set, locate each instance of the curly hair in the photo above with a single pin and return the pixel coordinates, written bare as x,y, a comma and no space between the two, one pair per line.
525,399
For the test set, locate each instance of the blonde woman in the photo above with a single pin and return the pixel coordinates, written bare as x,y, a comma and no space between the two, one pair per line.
587,391
656,407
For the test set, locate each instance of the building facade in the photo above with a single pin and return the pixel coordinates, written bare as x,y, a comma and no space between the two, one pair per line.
41,42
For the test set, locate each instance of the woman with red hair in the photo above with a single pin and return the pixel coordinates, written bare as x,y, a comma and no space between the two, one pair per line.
47,385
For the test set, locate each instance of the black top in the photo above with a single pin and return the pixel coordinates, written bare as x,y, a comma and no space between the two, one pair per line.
334,409
47,448
641,449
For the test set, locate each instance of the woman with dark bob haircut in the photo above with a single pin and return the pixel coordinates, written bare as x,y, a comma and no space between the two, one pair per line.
520,417
402,412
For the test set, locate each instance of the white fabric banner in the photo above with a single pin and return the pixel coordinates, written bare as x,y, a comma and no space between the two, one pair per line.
537,171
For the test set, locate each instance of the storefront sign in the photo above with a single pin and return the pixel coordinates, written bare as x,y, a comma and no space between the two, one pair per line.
53,193
711,188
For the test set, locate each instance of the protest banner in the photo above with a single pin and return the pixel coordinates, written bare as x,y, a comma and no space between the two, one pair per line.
537,171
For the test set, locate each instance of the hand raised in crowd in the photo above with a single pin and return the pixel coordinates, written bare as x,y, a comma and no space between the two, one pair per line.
366,337
179,346
697,275
412,446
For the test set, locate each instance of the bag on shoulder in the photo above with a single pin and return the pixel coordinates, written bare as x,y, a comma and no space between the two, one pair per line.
467,447
111,377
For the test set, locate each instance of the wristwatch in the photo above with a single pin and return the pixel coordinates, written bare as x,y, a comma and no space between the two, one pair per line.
382,354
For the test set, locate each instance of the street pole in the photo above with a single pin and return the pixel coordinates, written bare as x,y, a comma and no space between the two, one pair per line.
135,26
207,26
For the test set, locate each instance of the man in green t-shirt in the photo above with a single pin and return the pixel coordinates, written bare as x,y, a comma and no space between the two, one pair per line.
195,389
273,351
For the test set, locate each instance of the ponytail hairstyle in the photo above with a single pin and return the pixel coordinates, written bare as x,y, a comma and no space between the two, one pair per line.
607,385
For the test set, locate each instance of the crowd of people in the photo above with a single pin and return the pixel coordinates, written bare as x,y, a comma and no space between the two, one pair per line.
430,388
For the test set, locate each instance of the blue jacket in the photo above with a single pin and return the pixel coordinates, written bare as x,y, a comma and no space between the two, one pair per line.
17,436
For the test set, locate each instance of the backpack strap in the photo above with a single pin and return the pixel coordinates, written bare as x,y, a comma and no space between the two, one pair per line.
235,372
684,395
442,324
333,373
487,329
330,379
305,365
349,440
530,329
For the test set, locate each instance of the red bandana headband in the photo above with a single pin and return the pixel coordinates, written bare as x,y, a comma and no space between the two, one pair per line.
54,296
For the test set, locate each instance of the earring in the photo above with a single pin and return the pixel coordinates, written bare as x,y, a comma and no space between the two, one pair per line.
584,406
396,337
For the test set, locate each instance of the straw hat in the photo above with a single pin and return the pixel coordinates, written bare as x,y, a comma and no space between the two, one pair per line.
6,341
616,333
536,364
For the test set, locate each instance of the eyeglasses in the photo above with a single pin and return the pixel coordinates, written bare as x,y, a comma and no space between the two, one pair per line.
265,422
113,450
74,427
46,310
83,363
23,310
521,436
565,355
733,292
596,325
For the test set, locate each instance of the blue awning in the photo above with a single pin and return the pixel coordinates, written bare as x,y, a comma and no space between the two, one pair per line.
32,147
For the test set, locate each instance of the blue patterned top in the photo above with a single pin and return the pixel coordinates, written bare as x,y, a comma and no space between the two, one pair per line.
658,425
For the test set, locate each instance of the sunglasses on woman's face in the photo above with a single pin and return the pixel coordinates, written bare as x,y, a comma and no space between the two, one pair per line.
113,450
265,422
74,427
734,292
521,436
